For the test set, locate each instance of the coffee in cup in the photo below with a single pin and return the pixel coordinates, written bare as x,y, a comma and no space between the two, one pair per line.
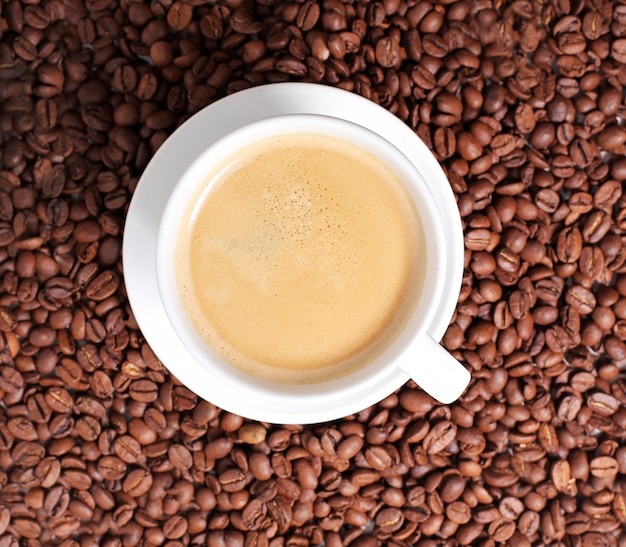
301,258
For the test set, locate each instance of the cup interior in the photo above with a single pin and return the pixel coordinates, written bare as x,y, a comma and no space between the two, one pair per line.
193,183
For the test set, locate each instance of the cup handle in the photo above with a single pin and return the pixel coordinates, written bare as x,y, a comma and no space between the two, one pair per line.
436,371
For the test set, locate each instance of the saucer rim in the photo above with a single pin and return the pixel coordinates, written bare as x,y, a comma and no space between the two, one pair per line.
181,148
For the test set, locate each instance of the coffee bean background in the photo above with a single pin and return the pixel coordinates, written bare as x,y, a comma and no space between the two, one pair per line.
521,101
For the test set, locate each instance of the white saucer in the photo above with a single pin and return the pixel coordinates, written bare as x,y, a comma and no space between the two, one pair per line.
169,163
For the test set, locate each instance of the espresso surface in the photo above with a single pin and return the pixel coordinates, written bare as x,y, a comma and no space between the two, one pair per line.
302,260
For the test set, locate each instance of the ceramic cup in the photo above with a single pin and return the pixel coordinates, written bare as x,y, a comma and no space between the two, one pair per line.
414,350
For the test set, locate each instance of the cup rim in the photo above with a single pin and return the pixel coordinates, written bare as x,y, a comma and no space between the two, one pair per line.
355,382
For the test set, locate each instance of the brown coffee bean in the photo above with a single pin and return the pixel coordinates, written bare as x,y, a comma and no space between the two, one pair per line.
26,528
179,16
184,399
252,433
59,399
291,66
618,50
61,426
561,476
439,437
77,479
581,299
180,457
619,507
478,239
603,466
127,449
144,391
111,467
379,458
21,428
388,52
389,519
7,320
308,15
88,428
102,286
603,404
459,512
137,482
612,139
232,480
468,146
254,514
444,141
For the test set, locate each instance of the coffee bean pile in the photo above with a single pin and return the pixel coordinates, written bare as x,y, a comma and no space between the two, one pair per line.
521,101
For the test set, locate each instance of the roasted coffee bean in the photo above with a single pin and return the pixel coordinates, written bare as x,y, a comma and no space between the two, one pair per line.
137,482
179,16
252,433
581,299
127,449
144,391
77,479
603,466
111,468
102,286
180,457
459,512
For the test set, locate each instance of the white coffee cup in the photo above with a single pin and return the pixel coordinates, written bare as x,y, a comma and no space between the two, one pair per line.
414,350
